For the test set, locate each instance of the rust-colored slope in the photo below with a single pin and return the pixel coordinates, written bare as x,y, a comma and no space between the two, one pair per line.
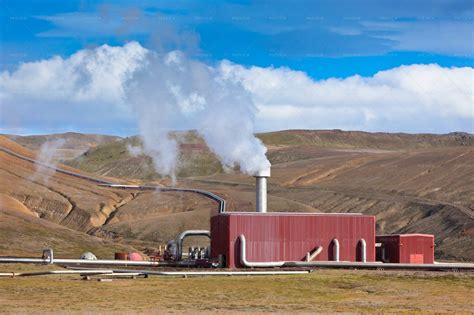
60,198
46,202
12,145
10,203
54,199
22,233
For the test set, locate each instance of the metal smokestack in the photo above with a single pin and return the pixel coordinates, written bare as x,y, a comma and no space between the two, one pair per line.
261,184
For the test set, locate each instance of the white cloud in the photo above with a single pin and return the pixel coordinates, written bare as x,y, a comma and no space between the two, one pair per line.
87,90
88,75
84,90
414,98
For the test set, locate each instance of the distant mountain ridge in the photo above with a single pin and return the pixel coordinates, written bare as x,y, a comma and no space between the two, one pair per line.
112,158
370,140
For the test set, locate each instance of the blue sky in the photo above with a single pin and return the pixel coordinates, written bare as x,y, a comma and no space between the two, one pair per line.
323,39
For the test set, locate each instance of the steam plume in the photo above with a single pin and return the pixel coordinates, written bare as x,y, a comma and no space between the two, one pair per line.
47,156
174,92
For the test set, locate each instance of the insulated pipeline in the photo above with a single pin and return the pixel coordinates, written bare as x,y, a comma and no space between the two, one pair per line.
208,273
182,236
56,272
346,264
363,248
246,263
207,194
311,256
104,183
335,249
60,261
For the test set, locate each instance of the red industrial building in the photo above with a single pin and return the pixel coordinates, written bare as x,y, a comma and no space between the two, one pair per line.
290,236
406,248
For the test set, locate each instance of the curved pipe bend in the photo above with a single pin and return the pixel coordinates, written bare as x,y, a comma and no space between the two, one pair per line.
185,234
363,248
336,249
246,263
311,256
270,264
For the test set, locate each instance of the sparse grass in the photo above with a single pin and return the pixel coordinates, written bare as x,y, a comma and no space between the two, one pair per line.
322,291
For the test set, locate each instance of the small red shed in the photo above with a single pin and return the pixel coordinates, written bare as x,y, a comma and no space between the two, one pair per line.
289,236
406,248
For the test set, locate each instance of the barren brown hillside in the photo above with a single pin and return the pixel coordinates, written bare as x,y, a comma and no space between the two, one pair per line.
412,183
42,209
73,145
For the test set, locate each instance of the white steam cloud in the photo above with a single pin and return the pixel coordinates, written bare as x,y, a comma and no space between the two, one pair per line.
47,158
134,150
173,91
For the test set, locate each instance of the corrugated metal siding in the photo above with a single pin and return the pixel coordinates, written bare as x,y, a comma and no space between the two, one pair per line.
288,237
417,248
408,248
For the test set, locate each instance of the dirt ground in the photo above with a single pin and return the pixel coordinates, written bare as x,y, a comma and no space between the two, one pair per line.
326,291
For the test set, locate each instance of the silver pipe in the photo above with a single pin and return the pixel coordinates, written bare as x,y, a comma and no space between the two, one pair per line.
182,236
328,264
380,265
363,248
336,249
212,273
246,263
95,262
92,262
55,272
107,262
79,261
207,194
104,183
225,273
45,165
311,256
261,190
24,260
261,202
344,264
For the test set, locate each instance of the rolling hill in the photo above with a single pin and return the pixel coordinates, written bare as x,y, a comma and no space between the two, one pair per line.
115,159
411,183
39,209
72,144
